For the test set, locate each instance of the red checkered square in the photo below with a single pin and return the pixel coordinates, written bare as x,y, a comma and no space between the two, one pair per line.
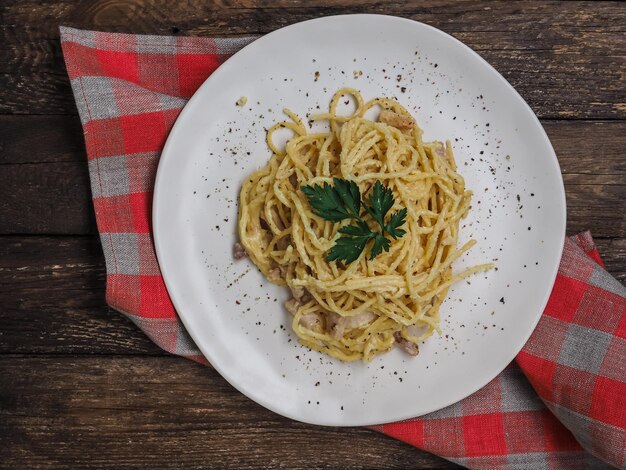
411,432
620,330
155,302
609,401
484,435
103,138
193,69
596,310
159,72
114,214
572,388
540,372
122,292
141,208
556,436
566,295
81,61
122,65
142,169
613,365
143,132
523,431
445,436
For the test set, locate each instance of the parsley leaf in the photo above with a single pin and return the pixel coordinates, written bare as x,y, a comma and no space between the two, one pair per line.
343,201
380,201
325,202
350,246
350,195
380,243
397,219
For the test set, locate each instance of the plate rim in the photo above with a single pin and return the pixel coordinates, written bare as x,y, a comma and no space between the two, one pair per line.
159,249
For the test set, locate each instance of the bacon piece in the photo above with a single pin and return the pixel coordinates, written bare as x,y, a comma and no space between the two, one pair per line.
399,121
239,251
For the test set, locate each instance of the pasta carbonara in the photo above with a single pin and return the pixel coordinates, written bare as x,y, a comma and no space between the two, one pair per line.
360,309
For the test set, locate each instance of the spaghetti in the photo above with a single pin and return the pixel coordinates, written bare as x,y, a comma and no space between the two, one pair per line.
367,307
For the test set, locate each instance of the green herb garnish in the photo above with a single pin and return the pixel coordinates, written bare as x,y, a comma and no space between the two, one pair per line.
343,201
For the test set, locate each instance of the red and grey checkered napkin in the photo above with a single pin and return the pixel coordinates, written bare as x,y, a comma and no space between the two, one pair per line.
561,404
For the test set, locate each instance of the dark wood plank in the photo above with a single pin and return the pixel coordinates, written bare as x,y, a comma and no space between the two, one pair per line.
543,48
120,412
40,139
46,198
52,297
53,197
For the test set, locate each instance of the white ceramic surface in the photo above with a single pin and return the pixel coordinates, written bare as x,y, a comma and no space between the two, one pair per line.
236,317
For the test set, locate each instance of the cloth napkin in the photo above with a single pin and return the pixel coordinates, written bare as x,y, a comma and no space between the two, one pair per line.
560,405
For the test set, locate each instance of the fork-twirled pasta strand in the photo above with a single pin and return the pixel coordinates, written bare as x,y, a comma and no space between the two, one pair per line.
365,308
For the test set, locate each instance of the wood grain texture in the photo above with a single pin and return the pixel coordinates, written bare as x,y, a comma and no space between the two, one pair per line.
41,139
52,198
166,412
542,48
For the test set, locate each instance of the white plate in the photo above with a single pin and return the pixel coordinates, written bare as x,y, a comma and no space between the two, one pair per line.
236,317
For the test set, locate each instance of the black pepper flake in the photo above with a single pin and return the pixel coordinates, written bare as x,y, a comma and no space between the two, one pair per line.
502,299
317,384
403,89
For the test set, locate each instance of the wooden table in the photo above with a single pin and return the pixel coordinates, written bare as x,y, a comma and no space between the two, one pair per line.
80,385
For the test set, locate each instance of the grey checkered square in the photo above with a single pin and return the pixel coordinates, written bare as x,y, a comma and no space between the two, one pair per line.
484,462
453,411
184,343
102,102
574,262
116,182
534,460
604,280
121,252
171,102
156,44
614,364
85,38
163,331
232,45
517,393
584,348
